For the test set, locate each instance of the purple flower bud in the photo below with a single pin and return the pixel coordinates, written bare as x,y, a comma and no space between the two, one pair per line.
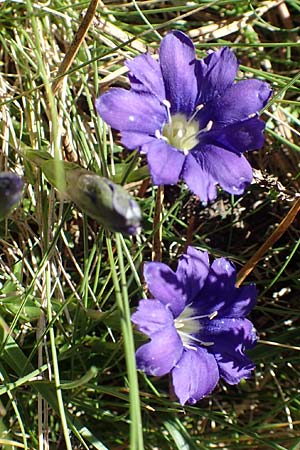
11,187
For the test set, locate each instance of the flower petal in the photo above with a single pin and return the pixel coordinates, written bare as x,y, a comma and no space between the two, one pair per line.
215,74
228,334
192,272
152,316
230,337
161,354
237,137
239,101
219,288
164,285
133,139
131,111
145,74
234,367
231,171
195,375
177,61
165,162
241,304
198,179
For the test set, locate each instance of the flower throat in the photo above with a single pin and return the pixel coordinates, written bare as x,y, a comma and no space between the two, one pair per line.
181,133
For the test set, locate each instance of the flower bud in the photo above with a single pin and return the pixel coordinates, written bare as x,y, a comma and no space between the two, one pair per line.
11,186
108,203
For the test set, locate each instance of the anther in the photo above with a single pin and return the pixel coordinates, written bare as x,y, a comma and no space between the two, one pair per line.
157,134
213,315
207,128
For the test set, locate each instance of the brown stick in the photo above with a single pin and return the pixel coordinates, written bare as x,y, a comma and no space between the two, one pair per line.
280,230
75,45
157,225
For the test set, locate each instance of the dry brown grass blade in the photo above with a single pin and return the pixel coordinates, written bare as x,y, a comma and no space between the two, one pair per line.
224,28
157,225
277,233
75,45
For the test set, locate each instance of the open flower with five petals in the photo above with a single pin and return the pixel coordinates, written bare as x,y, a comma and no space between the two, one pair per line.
197,325
189,116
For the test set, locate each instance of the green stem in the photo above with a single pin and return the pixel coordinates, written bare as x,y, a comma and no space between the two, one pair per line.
136,431
55,364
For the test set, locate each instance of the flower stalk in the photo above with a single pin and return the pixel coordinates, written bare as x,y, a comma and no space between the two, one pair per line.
136,430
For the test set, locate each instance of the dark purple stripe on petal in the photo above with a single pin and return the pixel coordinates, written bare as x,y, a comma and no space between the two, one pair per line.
177,60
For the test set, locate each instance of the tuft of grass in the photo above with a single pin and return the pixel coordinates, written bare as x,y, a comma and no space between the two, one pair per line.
67,370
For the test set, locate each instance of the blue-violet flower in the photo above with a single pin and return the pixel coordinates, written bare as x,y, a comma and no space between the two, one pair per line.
189,117
197,325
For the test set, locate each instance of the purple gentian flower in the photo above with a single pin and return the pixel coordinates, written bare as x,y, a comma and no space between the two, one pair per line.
189,117
197,325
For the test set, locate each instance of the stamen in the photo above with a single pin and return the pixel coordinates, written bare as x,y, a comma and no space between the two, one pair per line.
207,128
197,109
193,338
168,106
211,316
158,135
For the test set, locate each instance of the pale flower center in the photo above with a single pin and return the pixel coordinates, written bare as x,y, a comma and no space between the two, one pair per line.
188,326
181,133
